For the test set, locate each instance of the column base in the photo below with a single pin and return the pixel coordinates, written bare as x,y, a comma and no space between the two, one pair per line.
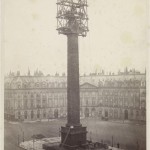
73,137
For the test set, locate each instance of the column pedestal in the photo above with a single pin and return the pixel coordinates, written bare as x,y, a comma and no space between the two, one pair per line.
73,137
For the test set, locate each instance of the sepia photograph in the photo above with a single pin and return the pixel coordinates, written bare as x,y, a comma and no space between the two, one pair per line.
75,74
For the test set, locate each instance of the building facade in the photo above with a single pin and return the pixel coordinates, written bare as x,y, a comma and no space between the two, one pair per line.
120,97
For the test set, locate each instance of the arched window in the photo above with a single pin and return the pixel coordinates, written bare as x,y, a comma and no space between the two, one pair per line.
137,113
132,102
116,102
63,84
56,113
111,102
126,114
24,85
86,100
100,112
38,100
38,113
50,101
93,100
44,84
37,85
143,113
19,115
137,103
32,100
93,112
110,113
131,112
32,84
19,104
106,102
115,113
44,100
19,85
125,102
44,113
50,115
56,100
143,104
25,101
106,113
143,94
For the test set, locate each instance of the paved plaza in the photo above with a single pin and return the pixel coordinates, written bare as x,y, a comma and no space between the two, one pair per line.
127,134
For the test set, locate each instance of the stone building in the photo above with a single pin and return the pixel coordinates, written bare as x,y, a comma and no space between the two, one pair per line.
121,96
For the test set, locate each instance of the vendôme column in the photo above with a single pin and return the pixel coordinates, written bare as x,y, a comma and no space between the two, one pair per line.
72,21
73,97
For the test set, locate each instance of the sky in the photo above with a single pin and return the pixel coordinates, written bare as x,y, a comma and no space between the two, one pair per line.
117,37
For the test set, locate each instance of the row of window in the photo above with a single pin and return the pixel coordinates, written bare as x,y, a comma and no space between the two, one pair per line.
119,93
36,85
107,113
84,102
126,112
41,96
38,103
38,114
82,94
64,84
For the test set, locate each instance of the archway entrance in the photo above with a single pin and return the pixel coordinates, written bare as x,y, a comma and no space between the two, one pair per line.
106,113
38,114
32,114
110,113
50,114
19,115
93,112
56,113
115,114
25,115
126,114
100,113
86,112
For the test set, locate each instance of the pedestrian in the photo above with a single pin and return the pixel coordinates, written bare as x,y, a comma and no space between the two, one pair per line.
118,145
138,145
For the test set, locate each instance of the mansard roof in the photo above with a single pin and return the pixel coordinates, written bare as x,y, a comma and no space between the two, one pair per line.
60,81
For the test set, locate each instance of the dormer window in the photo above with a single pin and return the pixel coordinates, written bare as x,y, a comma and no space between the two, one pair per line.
19,85
44,84
37,84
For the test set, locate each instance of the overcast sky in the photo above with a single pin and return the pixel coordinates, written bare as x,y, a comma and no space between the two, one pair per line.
117,36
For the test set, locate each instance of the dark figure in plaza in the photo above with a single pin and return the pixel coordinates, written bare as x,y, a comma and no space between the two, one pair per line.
118,145
138,146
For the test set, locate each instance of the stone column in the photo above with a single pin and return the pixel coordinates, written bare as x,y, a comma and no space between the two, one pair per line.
73,135
73,97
